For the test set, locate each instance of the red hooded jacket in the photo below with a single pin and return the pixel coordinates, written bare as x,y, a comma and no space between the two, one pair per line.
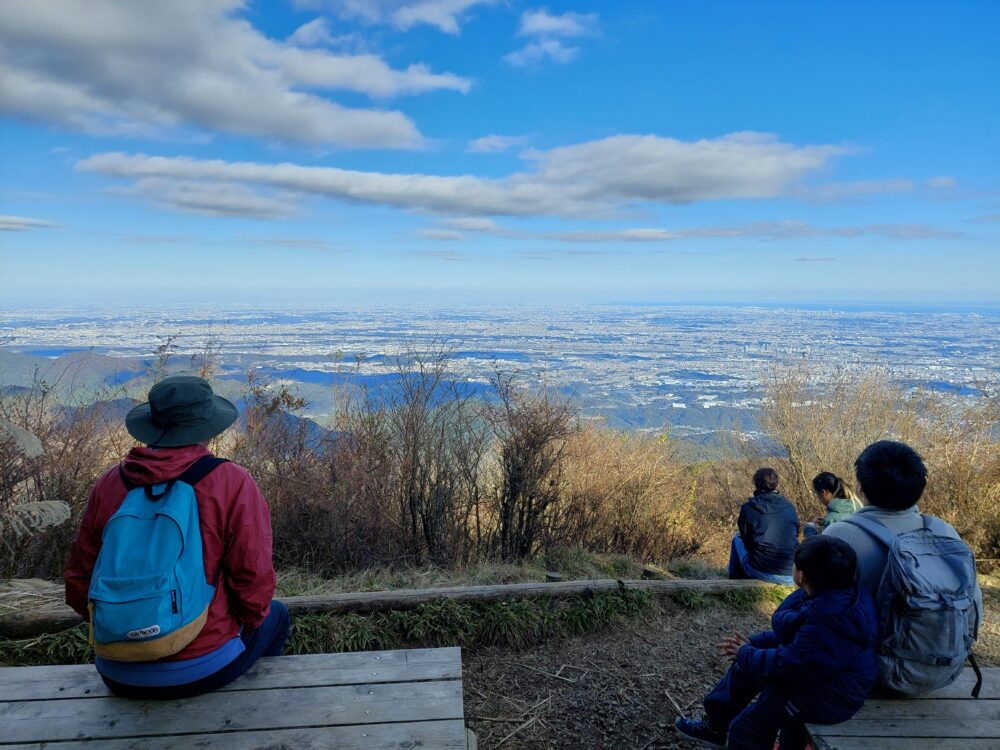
235,535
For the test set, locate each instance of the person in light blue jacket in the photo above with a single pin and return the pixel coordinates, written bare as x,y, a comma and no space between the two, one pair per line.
838,499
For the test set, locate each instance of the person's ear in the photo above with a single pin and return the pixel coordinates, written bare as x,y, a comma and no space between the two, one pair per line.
799,578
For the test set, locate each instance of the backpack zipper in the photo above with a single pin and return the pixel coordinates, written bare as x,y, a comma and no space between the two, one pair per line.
173,601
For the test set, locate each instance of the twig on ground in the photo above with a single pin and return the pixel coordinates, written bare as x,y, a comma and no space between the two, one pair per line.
674,703
547,674
526,724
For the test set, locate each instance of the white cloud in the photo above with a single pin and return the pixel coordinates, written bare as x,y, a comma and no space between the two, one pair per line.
444,15
542,23
316,33
446,235
538,52
495,144
22,223
838,191
764,230
449,255
212,198
472,224
597,177
547,30
159,68
365,74
942,182
293,243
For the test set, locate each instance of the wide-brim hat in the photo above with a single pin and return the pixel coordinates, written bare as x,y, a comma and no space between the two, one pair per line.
182,410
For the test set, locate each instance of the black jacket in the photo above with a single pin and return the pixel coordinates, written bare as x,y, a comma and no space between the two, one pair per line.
769,527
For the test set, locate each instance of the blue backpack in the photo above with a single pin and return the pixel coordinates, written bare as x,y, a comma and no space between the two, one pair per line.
148,594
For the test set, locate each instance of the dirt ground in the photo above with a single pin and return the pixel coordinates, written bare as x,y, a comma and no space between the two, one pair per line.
623,688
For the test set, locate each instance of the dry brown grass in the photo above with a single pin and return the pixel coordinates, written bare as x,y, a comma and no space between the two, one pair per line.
629,494
428,476
822,421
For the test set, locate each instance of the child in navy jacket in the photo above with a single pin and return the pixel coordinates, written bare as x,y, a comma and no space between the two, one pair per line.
816,665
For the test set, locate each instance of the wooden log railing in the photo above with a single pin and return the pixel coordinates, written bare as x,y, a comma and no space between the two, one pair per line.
31,622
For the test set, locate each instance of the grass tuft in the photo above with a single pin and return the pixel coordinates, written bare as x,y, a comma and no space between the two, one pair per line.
67,647
515,623
745,600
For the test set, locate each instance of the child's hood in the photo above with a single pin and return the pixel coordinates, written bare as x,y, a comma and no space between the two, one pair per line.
849,613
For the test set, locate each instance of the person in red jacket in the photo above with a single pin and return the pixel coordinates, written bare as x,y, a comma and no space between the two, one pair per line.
243,622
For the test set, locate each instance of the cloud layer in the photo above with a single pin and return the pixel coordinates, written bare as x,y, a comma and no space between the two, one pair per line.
444,15
23,223
456,229
588,179
139,68
547,32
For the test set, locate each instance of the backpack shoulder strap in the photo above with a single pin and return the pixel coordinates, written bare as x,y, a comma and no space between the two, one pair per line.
129,484
935,525
200,469
873,528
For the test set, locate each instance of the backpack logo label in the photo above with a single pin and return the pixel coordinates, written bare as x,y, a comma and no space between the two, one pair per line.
144,632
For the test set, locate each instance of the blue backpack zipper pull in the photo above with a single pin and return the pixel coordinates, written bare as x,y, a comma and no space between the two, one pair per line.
173,601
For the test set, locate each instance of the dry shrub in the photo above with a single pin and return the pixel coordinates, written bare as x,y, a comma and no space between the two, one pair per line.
821,421
530,429
276,448
81,436
629,494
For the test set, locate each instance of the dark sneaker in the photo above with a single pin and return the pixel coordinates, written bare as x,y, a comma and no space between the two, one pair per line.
700,731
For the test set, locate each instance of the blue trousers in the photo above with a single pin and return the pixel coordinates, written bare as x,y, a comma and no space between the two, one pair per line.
741,567
754,725
265,640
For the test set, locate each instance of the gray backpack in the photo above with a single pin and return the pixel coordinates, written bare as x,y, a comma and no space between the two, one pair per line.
929,607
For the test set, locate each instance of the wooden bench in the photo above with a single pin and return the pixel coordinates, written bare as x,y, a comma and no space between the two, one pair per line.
378,699
947,719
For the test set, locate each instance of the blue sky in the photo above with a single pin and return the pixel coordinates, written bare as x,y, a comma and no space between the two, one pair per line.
468,150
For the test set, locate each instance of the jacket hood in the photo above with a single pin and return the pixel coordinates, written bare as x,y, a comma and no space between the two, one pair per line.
850,613
145,466
841,505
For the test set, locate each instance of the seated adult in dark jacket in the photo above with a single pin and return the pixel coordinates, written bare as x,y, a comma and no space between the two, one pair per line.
817,663
768,533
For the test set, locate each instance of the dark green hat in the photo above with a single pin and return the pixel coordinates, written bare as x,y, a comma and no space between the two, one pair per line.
182,410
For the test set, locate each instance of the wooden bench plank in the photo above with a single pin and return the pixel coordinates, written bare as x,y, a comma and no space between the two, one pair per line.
426,735
945,710
313,670
97,718
904,743
927,728
942,720
962,687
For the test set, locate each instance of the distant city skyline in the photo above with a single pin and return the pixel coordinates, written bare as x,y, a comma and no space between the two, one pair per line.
463,151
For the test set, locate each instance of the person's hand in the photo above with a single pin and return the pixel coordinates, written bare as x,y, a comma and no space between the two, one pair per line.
731,644
817,521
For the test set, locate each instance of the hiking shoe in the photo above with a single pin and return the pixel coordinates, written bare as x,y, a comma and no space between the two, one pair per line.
700,731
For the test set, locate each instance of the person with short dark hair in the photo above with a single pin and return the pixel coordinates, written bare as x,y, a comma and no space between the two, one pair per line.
891,477
816,665
768,532
836,497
